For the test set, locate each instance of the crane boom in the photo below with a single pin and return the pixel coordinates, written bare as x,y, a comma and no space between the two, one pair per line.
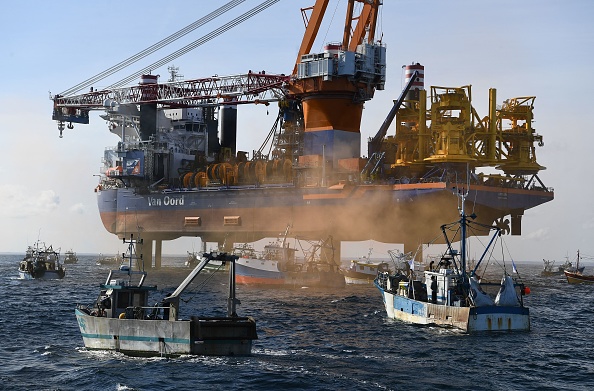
366,23
375,143
311,30
211,91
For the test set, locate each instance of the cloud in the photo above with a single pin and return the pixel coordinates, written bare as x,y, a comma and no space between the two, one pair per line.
589,224
540,234
18,201
77,208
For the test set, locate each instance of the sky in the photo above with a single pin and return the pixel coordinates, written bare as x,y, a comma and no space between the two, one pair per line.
541,48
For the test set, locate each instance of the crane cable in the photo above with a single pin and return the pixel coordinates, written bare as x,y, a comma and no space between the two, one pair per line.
151,49
196,43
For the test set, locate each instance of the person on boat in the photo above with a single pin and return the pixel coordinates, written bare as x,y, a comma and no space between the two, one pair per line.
433,290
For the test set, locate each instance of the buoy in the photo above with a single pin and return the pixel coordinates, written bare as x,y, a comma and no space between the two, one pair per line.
527,290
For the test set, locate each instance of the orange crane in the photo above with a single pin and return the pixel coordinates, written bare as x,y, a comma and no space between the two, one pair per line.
333,85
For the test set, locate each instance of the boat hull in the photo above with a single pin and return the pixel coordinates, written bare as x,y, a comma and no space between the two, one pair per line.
363,273
467,319
47,275
578,278
359,280
349,213
266,272
200,336
546,273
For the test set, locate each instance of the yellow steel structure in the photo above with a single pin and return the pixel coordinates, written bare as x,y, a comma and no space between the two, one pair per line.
451,132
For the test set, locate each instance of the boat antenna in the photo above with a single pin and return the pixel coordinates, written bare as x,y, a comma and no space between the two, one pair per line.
285,234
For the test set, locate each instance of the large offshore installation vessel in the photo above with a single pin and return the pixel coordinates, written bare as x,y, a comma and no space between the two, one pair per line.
177,170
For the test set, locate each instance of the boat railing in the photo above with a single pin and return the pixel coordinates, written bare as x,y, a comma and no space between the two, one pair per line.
140,312
480,179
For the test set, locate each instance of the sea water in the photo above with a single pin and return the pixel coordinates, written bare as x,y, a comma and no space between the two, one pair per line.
309,339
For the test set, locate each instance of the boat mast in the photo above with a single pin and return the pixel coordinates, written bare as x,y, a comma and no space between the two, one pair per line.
463,232
463,194
577,266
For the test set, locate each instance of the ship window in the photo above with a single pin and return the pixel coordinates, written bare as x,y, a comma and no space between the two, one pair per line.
138,300
123,300
192,221
232,220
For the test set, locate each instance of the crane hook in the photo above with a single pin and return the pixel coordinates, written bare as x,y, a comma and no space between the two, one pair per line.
61,128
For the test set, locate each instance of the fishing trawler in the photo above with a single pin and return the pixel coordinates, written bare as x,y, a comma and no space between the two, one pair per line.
122,320
364,270
110,260
450,294
194,258
41,262
549,268
70,257
277,265
577,276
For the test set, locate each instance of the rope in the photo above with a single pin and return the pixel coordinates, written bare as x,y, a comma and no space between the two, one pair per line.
151,49
196,43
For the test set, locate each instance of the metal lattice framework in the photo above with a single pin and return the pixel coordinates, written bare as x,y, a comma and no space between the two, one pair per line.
210,91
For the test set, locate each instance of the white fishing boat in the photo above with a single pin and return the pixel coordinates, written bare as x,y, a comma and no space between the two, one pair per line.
278,266
363,271
41,262
70,257
549,268
451,294
195,257
111,260
122,320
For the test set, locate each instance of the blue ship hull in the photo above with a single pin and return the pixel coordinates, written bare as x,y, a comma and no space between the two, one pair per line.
363,212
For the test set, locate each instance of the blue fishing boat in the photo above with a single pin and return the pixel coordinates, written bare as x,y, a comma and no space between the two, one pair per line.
451,294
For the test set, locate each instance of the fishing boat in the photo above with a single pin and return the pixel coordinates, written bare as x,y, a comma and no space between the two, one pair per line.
278,266
549,268
70,257
363,270
450,294
41,262
116,259
122,320
576,275
195,257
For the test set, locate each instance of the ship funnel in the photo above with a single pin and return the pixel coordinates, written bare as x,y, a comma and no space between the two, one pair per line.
148,109
418,84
